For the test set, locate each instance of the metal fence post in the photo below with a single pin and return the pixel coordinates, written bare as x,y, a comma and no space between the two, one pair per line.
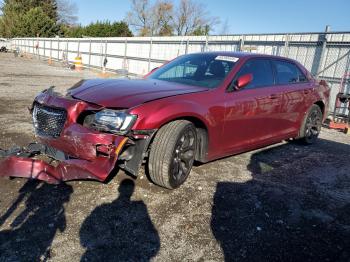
67,52
241,43
90,53
323,51
78,47
105,56
37,47
286,45
150,55
206,43
50,49
101,54
125,53
187,43
58,49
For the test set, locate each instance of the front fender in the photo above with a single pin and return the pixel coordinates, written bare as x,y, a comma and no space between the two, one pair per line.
155,114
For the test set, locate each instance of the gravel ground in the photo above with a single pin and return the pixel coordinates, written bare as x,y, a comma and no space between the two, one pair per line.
287,202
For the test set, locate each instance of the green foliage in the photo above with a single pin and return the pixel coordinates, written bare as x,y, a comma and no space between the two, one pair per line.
201,30
21,7
28,18
35,21
99,29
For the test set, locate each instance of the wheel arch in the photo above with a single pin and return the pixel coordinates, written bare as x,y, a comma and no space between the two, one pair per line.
322,106
202,135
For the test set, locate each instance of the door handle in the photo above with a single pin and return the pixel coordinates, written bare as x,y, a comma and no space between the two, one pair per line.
273,96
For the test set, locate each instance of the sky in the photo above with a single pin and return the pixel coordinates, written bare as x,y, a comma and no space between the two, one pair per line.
244,16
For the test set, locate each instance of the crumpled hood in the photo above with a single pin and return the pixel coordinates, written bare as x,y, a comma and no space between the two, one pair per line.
127,93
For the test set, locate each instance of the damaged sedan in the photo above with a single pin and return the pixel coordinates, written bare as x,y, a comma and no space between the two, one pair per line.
198,107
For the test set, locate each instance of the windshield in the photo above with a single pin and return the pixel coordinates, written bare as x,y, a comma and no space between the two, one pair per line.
206,70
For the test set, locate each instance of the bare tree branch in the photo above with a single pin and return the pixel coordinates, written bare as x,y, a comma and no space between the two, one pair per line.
163,18
191,16
225,28
139,17
67,12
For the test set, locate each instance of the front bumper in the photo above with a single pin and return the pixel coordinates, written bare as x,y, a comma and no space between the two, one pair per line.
32,166
85,153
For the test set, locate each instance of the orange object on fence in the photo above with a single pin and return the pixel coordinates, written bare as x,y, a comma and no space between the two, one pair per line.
341,112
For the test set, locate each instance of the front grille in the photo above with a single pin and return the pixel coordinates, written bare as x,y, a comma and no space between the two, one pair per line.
48,121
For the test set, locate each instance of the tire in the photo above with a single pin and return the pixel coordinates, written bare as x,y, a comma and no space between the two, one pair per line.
172,154
311,125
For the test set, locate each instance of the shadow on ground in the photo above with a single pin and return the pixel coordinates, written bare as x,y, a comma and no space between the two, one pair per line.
120,231
296,207
32,231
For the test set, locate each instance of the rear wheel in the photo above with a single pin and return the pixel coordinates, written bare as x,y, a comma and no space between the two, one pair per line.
172,154
312,125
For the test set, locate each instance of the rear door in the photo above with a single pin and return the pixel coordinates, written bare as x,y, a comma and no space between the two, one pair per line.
296,89
252,114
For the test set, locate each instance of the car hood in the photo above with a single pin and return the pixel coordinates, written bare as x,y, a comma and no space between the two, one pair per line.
126,93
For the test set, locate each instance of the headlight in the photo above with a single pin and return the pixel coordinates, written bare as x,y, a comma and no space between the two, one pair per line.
112,121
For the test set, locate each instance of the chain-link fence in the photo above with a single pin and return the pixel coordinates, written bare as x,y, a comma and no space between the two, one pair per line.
326,55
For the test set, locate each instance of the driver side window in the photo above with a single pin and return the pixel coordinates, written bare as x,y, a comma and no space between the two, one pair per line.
183,70
260,69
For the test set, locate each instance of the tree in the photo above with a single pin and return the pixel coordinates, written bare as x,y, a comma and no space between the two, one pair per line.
49,7
163,18
11,13
37,22
192,17
148,20
99,29
18,14
225,29
67,11
139,17
201,30
22,6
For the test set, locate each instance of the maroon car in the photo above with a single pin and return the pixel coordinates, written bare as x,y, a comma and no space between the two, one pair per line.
198,107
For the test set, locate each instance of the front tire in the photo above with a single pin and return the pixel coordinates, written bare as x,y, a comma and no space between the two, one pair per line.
172,154
311,126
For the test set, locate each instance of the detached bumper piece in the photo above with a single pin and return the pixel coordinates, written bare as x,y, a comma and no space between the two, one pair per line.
37,161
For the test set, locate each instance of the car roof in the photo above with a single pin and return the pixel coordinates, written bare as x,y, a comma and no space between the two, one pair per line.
242,54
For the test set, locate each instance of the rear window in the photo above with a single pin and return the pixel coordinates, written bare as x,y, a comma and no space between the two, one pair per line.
288,73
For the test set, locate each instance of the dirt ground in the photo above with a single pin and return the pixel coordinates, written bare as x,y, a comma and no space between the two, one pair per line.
287,202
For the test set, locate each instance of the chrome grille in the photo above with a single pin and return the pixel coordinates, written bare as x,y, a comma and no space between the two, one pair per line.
48,121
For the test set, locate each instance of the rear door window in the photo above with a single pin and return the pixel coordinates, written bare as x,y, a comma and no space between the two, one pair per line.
260,69
288,73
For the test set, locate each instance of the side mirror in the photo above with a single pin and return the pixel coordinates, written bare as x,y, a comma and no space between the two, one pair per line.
243,81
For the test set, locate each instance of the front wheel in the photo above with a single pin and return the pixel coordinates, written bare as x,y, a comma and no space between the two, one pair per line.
172,154
311,126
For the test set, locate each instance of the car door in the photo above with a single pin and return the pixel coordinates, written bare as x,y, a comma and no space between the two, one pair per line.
252,114
296,88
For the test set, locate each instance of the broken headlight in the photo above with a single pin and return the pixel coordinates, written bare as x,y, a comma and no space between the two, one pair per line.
113,121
